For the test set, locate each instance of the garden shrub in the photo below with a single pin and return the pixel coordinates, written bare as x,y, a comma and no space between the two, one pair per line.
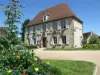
4,42
84,41
94,40
17,60
31,46
20,47
12,60
91,46
23,63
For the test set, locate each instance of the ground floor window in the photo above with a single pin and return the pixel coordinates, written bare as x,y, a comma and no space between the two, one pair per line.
29,41
64,39
34,40
38,42
55,40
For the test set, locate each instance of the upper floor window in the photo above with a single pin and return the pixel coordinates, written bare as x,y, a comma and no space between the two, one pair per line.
45,17
63,24
34,29
28,29
55,40
25,30
64,39
54,25
48,26
38,27
44,27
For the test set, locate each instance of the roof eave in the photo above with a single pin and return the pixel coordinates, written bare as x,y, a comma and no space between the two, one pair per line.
56,19
78,19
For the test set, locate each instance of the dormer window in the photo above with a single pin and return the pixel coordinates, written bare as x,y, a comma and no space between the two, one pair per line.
45,17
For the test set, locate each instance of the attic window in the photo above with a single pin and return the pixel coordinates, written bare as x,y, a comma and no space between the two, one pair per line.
45,17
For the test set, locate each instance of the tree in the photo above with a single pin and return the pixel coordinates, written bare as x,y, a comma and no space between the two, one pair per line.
94,40
13,15
84,41
23,28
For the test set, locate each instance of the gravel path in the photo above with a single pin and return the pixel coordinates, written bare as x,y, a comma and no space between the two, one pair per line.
93,56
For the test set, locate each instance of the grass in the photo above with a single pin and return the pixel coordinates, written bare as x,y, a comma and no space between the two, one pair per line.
69,49
69,67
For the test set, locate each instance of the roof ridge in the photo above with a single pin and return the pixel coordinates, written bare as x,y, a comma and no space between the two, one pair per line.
56,12
53,6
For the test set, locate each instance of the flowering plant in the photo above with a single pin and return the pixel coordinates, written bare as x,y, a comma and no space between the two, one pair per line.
23,63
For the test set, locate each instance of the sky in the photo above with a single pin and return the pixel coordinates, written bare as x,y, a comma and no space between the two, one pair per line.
87,10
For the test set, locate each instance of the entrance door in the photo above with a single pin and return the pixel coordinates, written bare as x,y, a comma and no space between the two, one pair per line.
44,42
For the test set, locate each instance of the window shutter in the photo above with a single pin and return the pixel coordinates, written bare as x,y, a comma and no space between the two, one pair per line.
67,39
60,40
28,41
59,24
67,25
57,39
33,40
52,41
36,40
26,30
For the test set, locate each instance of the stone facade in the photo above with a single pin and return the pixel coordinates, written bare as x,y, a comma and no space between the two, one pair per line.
44,34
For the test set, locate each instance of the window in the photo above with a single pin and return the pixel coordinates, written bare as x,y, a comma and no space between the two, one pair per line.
64,39
38,42
38,27
63,24
34,40
28,29
54,25
45,17
34,29
29,41
49,26
25,30
55,40
44,27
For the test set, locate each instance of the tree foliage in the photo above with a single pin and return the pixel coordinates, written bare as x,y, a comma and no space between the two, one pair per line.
12,60
23,28
94,40
84,41
13,15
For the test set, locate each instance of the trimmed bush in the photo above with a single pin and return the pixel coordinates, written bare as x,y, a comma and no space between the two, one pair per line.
31,46
91,46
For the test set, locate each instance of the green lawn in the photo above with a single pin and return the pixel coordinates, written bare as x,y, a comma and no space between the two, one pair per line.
68,49
69,67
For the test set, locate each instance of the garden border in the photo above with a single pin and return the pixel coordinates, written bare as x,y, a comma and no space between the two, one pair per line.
96,70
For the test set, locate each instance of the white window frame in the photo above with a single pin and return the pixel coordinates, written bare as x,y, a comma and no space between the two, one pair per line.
34,29
64,40
55,40
63,24
54,25
44,27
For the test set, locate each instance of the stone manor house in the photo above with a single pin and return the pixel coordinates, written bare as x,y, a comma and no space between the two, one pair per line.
55,27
